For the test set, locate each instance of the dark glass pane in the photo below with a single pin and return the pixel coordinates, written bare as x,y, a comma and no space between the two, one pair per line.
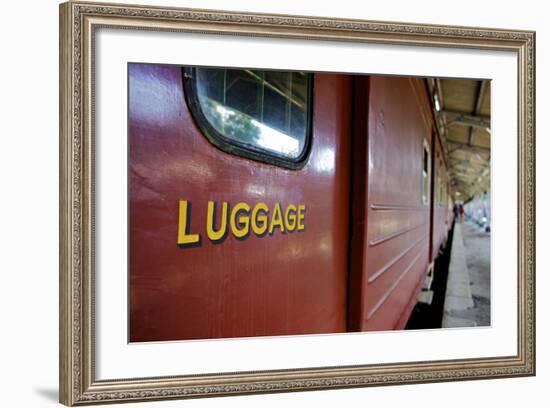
275,110
266,110
298,122
210,82
300,89
242,92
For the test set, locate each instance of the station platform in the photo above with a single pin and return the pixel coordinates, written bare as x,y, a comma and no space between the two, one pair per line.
467,300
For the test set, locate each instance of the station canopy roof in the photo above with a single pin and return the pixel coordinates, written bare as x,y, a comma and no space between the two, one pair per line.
463,112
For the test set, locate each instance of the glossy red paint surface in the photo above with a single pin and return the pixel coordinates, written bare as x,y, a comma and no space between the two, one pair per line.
390,264
291,283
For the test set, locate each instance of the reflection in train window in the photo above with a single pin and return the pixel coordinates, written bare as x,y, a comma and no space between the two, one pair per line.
425,174
263,115
441,199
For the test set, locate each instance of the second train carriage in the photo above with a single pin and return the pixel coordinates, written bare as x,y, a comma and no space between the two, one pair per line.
269,203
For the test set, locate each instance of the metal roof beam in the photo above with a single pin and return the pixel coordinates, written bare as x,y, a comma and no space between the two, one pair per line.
480,92
460,118
456,146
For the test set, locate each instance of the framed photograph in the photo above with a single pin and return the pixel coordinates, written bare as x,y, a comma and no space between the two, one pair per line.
256,203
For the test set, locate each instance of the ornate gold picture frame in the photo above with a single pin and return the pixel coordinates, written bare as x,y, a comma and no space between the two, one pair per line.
79,22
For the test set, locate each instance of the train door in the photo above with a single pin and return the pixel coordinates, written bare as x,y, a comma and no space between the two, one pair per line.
239,186
391,216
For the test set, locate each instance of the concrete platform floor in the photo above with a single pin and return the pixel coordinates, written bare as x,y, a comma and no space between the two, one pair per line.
467,301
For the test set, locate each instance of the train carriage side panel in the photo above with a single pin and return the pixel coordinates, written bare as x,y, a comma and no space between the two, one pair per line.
395,239
283,283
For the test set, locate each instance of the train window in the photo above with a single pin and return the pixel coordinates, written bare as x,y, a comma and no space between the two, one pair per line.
439,189
262,115
442,198
425,174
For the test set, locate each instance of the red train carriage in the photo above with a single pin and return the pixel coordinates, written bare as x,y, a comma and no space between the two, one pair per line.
271,203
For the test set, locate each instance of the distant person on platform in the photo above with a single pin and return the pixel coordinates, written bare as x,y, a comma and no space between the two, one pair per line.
455,211
461,209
